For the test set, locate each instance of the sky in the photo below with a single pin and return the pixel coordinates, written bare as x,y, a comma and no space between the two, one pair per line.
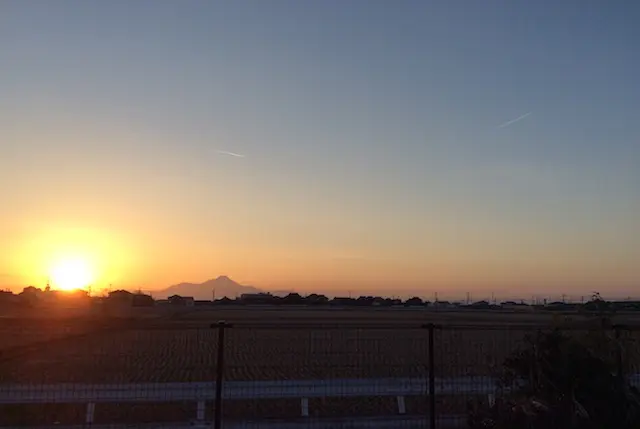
415,145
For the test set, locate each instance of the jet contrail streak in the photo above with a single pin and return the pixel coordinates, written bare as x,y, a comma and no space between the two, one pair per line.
513,121
224,152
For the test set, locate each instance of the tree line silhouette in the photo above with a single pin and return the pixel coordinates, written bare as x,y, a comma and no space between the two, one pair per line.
31,296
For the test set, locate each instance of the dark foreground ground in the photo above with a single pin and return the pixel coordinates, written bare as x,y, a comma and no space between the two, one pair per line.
282,344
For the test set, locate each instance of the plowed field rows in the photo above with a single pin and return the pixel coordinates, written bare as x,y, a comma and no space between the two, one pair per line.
254,353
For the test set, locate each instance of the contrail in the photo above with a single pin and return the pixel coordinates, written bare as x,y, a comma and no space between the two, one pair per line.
513,121
224,152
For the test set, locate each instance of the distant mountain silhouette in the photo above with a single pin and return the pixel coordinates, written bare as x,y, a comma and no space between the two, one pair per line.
222,285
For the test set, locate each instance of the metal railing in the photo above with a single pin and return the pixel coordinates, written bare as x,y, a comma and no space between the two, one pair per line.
278,375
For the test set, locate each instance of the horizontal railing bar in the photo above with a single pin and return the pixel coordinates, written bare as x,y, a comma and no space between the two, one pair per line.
352,422
158,392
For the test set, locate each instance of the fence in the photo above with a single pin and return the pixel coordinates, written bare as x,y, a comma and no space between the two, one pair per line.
259,376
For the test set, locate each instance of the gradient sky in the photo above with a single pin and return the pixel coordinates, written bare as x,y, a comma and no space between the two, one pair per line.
375,139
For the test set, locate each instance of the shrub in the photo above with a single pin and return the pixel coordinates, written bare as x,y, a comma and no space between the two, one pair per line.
562,380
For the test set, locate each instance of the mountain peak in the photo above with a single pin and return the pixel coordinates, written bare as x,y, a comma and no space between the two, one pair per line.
222,285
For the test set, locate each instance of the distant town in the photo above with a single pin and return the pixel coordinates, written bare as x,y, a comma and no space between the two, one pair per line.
35,298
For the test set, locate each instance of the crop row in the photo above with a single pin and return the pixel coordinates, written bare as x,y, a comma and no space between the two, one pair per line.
258,354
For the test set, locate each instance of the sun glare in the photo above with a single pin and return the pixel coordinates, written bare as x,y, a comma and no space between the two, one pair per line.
71,274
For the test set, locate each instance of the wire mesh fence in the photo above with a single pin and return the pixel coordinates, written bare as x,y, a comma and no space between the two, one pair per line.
130,375
301,374
325,371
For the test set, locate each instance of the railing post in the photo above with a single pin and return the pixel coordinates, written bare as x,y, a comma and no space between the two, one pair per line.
217,418
432,376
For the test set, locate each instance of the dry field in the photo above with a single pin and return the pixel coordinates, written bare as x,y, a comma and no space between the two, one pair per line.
188,354
16,333
262,345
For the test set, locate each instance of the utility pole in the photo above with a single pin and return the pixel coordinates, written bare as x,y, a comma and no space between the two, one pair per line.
468,298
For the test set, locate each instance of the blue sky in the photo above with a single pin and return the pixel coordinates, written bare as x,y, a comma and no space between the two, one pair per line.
373,152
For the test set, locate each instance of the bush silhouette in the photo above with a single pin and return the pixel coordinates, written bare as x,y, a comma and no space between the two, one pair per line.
562,380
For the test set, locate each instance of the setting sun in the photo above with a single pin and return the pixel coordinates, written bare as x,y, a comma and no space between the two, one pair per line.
71,274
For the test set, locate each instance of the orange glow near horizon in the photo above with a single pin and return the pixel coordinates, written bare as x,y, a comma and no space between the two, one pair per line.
71,258
71,274
73,253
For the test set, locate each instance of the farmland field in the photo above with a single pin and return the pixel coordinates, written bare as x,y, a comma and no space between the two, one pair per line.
273,345
264,345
